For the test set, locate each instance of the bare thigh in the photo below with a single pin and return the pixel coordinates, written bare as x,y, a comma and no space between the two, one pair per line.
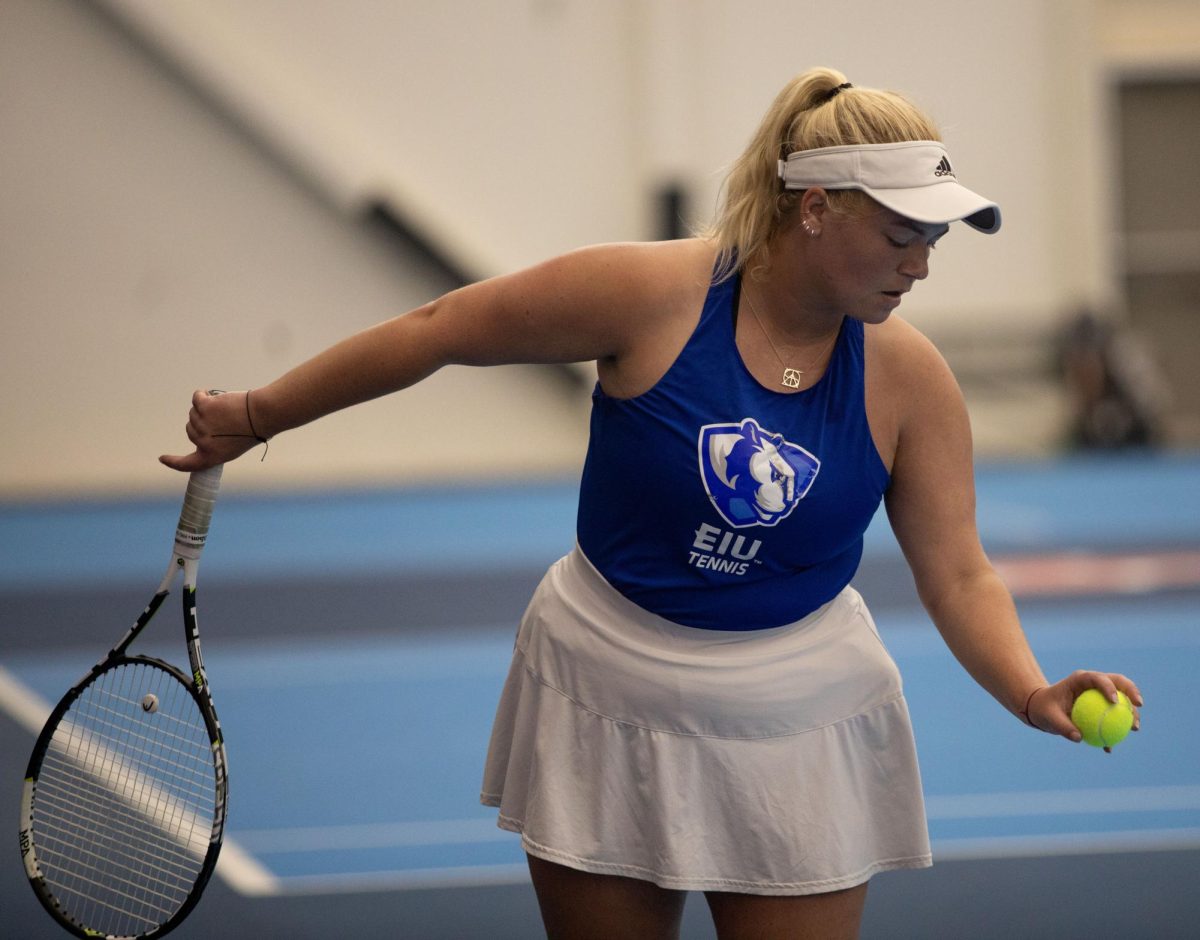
836,915
578,905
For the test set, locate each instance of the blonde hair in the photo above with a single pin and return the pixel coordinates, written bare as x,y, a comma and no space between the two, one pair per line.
810,111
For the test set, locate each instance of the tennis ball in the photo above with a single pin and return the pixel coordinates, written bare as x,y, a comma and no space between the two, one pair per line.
1102,723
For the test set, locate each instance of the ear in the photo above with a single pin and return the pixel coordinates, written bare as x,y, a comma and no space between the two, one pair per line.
812,207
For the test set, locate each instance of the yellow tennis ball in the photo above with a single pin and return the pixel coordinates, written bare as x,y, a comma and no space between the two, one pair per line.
1101,722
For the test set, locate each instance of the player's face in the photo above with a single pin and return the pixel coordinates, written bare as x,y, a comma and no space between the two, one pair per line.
867,263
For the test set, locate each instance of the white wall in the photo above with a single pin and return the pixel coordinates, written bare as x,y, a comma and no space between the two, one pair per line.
146,250
148,247
516,130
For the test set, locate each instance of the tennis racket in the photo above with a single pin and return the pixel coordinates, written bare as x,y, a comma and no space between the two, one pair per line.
123,806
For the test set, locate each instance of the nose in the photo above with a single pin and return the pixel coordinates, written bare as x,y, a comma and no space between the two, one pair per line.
916,262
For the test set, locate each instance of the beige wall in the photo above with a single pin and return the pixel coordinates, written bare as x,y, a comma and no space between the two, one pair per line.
150,245
516,130
147,250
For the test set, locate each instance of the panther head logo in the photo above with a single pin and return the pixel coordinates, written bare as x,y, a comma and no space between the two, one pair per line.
753,477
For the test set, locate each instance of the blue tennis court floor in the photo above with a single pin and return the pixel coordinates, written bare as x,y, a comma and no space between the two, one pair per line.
356,738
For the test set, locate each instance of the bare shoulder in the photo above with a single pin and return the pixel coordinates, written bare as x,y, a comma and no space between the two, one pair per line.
654,302
632,287
595,303
642,274
641,264
900,354
910,390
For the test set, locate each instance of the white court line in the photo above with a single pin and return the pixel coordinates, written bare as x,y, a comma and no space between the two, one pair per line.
965,806
21,703
237,868
242,872
1029,803
474,876
944,850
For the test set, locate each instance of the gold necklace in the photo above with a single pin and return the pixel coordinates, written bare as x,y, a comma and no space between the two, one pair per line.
791,376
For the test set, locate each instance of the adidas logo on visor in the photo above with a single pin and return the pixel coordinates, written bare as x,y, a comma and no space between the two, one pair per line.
944,168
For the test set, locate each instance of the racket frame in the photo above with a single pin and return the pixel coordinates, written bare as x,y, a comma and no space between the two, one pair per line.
190,536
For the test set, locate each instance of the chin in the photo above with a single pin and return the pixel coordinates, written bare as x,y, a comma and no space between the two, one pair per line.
873,317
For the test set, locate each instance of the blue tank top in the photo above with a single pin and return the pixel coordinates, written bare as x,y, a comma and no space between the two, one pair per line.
716,503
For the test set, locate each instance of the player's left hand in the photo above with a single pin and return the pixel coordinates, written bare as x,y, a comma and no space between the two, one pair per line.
1050,708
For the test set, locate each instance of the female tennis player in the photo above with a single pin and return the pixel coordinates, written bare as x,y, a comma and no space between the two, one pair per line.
698,699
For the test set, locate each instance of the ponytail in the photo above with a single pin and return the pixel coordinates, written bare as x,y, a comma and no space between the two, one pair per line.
818,108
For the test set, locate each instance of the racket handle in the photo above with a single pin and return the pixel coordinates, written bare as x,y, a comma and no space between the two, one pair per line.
194,517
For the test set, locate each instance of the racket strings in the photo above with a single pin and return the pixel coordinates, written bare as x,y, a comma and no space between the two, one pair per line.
125,803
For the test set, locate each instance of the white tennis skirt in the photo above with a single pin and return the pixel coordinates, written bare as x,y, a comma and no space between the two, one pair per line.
773,761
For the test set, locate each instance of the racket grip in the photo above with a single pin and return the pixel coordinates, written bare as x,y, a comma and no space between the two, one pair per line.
196,514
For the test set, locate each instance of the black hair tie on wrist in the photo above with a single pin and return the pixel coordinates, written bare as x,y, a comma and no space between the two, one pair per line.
1024,712
254,431
834,92
250,421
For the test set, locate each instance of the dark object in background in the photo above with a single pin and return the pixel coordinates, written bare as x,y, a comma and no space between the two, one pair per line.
1118,390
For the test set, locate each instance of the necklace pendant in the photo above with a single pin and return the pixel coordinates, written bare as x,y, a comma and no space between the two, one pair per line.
791,378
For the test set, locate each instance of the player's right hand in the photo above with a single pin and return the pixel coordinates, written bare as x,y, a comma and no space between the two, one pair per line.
218,428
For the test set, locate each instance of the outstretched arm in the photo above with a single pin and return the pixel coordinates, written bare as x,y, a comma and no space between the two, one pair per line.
931,505
590,304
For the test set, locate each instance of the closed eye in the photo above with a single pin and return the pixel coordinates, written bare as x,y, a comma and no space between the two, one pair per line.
896,243
908,244
910,231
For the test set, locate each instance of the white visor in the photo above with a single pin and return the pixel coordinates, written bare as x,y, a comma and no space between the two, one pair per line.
913,178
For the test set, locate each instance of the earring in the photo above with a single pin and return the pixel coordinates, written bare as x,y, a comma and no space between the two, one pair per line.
808,229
